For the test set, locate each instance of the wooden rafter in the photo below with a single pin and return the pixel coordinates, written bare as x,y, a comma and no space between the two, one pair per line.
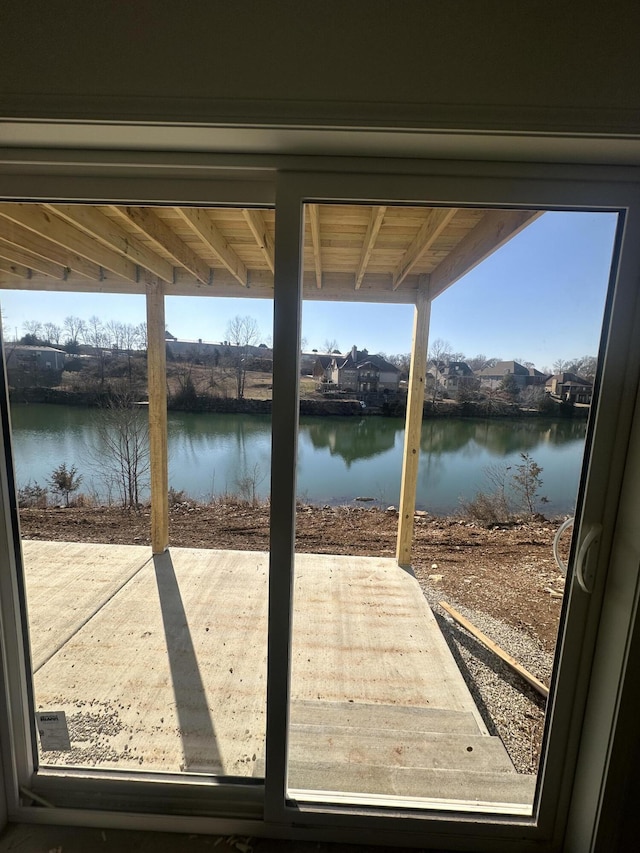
431,229
159,232
94,223
14,270
335,288
494,230
48,251
256,223
202,225
46,224
314,219
16,254
96,249
375,222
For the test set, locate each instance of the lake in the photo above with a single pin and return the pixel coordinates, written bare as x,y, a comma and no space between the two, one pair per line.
340,459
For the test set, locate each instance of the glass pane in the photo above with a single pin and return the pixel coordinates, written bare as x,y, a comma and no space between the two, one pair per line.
140,661
399,688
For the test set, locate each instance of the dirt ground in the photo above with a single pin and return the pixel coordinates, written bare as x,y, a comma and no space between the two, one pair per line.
221,380
506,573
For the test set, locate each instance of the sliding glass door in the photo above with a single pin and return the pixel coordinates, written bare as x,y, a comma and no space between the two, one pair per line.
439,608
368,571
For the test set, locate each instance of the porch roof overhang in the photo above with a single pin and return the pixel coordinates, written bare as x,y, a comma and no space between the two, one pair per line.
353,252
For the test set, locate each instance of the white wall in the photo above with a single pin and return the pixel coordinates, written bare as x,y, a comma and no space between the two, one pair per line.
452,63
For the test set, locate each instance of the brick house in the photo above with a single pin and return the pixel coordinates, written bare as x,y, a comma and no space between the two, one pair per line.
492,377
357,371
451,374
570,388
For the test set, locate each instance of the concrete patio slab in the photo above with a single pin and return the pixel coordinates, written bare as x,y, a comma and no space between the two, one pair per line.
160,663
69,584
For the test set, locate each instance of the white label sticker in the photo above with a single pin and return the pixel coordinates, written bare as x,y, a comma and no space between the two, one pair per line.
53,731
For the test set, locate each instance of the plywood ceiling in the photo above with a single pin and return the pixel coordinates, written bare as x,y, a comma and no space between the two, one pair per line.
351,252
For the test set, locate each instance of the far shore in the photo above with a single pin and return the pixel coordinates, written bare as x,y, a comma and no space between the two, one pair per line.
394,407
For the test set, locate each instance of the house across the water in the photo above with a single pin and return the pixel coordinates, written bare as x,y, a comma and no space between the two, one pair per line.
357,371
570,388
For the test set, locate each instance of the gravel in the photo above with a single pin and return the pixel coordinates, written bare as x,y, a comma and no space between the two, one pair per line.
510,708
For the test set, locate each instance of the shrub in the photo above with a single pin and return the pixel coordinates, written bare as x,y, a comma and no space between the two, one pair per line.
248,485
32,495
526,483
513,488
176,496
487,509
64,481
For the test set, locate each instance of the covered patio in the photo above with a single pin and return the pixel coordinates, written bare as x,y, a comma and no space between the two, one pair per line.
352,252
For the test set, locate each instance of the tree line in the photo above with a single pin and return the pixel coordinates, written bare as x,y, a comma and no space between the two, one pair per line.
112,334
442,352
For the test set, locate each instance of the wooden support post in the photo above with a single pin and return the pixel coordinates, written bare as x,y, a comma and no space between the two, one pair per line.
413,424
156,369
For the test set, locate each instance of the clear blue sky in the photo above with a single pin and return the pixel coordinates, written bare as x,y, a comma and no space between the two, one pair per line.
539,298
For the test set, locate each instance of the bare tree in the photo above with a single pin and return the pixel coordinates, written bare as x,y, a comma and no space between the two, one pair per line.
403,362
584,366
133,337
330,345
560,365
120,453
114,331
242,333
439,354
532,397
480,362
95,335
74,327
53,333
32,328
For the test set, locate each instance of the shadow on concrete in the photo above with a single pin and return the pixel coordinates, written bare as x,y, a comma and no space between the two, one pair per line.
199,742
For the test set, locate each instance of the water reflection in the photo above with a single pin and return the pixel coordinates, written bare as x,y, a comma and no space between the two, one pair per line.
499,437
352,439
339,458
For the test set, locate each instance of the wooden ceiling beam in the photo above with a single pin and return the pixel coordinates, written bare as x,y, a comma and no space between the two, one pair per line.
94,223
159,232
433,226
495,229
15,254
44,223
202,225
14,270
48,251
256,223
314,220
375,222
337,287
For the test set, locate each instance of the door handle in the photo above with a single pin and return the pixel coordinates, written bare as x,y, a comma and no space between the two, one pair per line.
591,537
